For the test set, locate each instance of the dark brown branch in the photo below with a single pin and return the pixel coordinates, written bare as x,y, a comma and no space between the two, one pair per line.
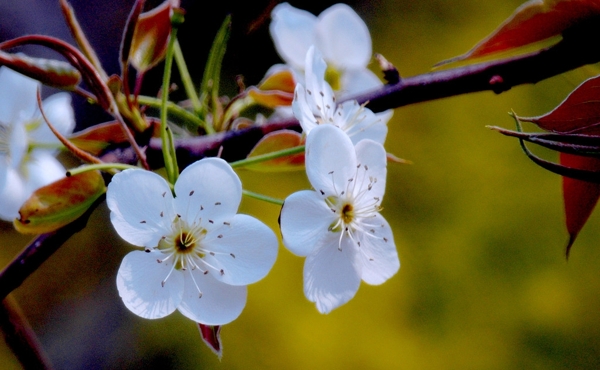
20,337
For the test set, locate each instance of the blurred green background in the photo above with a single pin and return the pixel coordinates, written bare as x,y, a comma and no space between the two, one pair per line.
479,229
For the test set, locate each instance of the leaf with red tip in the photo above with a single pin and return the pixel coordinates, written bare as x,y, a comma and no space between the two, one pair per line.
60,203
48,71
580,197
276,141
211,335
578,113
97,138
534,21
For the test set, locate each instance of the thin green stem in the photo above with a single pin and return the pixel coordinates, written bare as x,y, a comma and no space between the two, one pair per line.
168,148
186,78
107,167
177,111
267,157
264,198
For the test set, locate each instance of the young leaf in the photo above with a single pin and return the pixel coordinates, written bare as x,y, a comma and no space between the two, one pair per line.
48,71
534,21
580,197
273,142
211,335
578,113
60,203
97,138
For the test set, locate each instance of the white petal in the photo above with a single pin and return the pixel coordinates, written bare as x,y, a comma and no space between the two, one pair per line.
358,81
293,32
378,257
360,123
245,250
330,159
372,155
141,206
219,304
18,144
302,110
344,37
59,112
208,189
18,100
304,221
319,94
12,195
330,275
139,282
42,169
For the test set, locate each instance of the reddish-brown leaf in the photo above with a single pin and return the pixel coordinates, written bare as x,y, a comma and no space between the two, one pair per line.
211,335
276,141
534,21
579,113
580,197
96,138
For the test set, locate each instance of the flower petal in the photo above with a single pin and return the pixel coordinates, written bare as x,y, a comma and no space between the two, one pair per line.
293,32
330,159
372,155
360,123
302,109
219,304
18,144
343,37
330,275
42,169
59,112
358,81
141,206
208,189
378,257
304,221
245,250
12,195
140,284
17,96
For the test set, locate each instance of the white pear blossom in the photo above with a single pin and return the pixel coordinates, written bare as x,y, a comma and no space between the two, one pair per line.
27,146
338,226
338,32
199,254
315,104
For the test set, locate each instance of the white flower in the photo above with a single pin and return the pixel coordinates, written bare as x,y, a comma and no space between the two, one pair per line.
339,33
338,226
199,254
315,104
26,156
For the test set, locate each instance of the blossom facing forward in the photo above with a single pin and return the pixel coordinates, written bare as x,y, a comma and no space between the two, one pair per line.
338,226
315,104
199,254
338,32
27,145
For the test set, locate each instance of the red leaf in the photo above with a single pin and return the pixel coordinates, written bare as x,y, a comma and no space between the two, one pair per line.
211,335
578,113
534,21
580,197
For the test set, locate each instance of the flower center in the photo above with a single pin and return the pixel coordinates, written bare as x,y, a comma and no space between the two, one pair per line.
333,77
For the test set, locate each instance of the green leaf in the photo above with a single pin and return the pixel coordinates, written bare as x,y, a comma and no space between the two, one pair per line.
60,203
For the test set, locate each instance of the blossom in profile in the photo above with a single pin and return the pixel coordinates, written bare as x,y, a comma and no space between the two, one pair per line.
315,104
27,146
338,32
337,226
198,255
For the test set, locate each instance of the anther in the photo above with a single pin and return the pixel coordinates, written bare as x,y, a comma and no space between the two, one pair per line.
218,204
220,236
163,194
142,222
232,255
226,223
191,193
222,272
211,221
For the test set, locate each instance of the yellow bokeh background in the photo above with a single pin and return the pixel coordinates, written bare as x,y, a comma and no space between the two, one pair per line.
479,229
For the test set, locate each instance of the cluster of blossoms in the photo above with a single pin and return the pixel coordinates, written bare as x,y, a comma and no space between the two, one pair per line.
197,254
27,146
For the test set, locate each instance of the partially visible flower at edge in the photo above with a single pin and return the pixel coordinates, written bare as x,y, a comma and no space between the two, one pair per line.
315,104
199,254
27,146
338,226
339,33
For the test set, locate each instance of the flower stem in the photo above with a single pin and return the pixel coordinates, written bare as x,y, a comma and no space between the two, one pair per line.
267,157
108,167
168,147
186,78
264,198
177,111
